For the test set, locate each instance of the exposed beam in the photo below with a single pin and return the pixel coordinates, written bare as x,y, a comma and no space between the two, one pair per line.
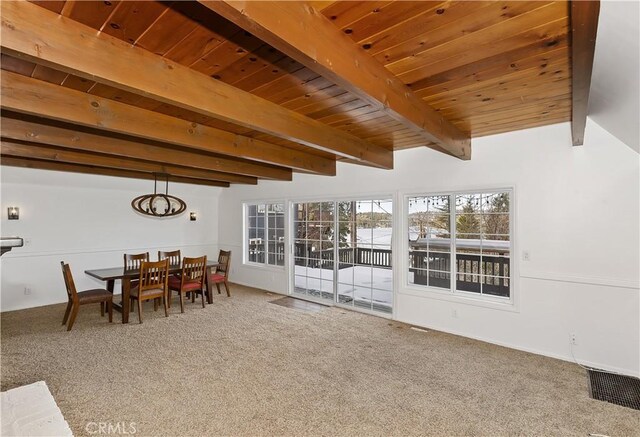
584,26
19,149
35,97
78,140
31,96
73,168
38,35
287,26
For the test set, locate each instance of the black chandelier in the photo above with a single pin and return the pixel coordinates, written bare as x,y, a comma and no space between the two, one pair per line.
159,204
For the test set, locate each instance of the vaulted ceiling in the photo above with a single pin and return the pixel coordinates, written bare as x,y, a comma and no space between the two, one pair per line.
217,92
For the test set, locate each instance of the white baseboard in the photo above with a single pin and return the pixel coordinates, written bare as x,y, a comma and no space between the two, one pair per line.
568,358
256,287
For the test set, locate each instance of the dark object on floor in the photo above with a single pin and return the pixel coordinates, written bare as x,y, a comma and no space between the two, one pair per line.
297,304
616,389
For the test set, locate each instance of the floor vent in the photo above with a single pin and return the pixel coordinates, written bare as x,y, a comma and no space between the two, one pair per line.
616,389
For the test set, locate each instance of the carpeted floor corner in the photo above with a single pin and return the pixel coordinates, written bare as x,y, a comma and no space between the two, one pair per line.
244,367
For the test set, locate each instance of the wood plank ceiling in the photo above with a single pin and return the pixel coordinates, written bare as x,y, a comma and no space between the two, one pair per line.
190,93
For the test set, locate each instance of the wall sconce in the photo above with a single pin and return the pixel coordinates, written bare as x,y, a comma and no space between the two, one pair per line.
13,213
192,216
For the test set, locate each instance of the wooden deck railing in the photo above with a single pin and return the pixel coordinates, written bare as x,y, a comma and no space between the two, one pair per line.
347,257
428,267
472,270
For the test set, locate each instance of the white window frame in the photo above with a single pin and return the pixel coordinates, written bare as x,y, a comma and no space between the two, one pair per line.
245,234
452,293
393,196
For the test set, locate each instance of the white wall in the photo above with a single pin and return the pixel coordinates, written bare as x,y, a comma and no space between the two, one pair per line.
87,221
614,102
577,214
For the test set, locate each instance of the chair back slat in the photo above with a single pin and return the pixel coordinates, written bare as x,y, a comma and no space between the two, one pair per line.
154,274
175,259
133,261
224,261
193,269
72,293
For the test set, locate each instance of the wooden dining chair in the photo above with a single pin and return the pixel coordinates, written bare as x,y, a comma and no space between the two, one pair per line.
97,295
175,259
152,284
132,262
191,280
221,275
173,256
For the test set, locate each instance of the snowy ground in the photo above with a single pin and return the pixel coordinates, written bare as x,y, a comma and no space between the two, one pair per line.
361,286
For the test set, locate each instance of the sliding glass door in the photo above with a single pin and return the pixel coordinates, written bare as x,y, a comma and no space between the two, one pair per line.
365,277
313,251
342,253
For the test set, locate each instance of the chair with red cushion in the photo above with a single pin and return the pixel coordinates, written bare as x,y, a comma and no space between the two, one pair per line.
175,259
221,276
191,280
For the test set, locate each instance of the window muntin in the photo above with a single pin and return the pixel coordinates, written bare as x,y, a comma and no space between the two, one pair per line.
365,275
472,228
265,233
342,252
430,241
313,231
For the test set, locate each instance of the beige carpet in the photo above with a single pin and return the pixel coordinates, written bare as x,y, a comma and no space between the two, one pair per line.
242,366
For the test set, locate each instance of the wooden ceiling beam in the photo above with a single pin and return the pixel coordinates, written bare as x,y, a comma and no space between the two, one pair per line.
20,149
287,26
86,169
76,107
41,36
46,134
34,97
584,27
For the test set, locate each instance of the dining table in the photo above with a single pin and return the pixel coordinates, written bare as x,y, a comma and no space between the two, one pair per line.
111,274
